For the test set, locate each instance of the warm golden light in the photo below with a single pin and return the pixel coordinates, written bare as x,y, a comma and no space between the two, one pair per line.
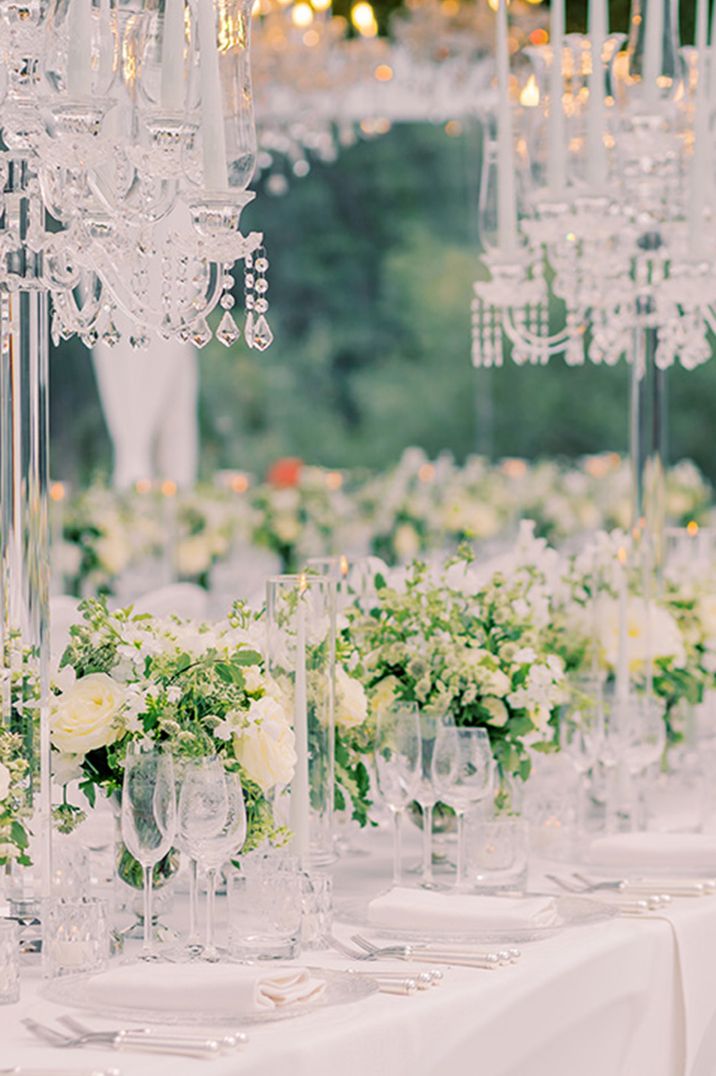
514,468
529,98
622,555
539,36
692,528
143,485
302,583
302,15
383,72
334,480
426,472
239,483
363,19
168,488
453,128
57,491
344,565
311,38
320,5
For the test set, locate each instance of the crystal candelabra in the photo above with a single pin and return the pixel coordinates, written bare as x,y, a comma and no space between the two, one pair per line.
129,146
608,153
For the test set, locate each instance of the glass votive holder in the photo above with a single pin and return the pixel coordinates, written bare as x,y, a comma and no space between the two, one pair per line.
76,936
9,962
317,901
265,908
70,868
498,855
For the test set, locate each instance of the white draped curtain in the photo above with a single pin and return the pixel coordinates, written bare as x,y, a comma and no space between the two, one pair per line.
149,399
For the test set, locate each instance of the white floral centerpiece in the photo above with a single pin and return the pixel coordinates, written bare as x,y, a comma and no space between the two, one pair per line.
469,644
195,689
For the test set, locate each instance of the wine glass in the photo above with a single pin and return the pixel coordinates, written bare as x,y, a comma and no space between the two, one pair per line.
397,764
212,825
463,775
582,730
148,819
426,794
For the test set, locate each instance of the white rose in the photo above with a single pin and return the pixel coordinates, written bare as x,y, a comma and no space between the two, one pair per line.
85,717
652,630
497,711
194,555
286,528
495,682
4,781
351,701
112,552
266,748
406,542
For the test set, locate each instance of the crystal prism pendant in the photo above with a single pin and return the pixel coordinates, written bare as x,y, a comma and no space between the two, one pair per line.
249,329
111,335
228,331
262,337
200,333
90,338
139,341
56,331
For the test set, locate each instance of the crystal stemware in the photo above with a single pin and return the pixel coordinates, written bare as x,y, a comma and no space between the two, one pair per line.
582,730
397,766
426,793
463,775
212,824
148,819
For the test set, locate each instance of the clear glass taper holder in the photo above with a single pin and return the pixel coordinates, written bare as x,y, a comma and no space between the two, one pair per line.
301,625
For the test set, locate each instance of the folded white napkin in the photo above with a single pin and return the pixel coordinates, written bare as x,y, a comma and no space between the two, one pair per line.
656,851
226,987
420,909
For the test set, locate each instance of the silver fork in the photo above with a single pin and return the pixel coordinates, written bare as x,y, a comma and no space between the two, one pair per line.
421,981
227,1042
126,1040
653,902
664,890
431,955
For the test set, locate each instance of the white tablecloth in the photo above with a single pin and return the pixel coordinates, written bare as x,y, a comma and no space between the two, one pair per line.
604,1000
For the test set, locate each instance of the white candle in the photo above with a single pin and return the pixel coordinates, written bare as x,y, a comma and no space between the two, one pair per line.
172,82
622,670
212,108
506,201
556,149
700,160
596,120
653,49
79,48
712,58
299,808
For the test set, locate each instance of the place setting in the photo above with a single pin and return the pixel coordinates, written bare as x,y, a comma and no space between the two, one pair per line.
357,555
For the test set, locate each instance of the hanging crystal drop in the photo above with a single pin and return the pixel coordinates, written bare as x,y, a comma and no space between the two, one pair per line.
262,336
228,331
201,333
249,329
90,338
139,341
56,331
111,335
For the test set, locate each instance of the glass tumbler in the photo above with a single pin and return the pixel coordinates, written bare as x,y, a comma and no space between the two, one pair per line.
265,908
9,962
76,937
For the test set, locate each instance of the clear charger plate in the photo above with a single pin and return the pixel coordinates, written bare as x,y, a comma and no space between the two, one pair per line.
569,912
342,988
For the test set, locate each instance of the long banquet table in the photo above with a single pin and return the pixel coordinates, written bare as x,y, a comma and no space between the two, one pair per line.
620,998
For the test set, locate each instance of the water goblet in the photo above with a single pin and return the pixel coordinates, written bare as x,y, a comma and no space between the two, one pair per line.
397,766
148,819
463,776
212,824
426,793
582,731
